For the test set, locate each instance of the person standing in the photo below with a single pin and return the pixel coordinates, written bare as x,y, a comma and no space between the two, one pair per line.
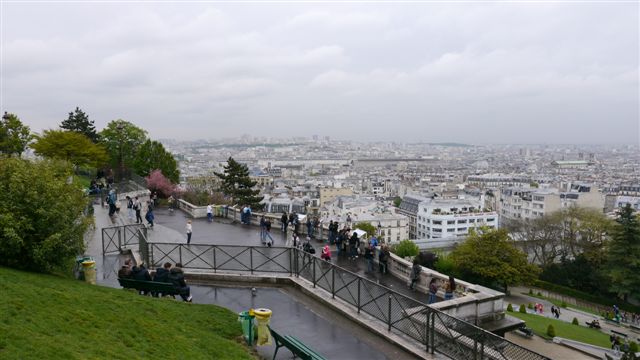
149,215
415,274
433,291
449,288
284,220
353,246
368,255
209,213
189,229
326,253
111,200
129,208
137,206
267,232
309,226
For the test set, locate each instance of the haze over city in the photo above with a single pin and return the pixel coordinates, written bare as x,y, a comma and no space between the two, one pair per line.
472,73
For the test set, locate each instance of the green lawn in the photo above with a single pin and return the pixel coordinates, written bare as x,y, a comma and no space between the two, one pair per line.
48,317
563,329
559,304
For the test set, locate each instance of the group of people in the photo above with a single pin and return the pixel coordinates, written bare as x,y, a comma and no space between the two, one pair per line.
165,274
555,311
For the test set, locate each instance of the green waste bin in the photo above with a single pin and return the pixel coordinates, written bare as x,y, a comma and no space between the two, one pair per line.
248,327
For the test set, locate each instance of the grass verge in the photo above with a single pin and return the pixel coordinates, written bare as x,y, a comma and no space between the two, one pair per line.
564,329
48,317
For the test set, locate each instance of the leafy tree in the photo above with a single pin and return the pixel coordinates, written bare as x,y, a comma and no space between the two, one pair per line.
71,146
157,182
623,265
14,135
406,248
397,201
42,224
151,156
237,184
365,226
79,122
492,257
122,140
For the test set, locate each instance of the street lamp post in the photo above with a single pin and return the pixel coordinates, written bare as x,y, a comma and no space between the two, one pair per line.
120,127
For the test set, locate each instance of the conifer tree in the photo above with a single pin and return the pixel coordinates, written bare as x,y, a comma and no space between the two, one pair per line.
79,122
237,184
624,254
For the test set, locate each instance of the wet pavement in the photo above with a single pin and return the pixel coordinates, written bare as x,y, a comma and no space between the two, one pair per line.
302,318
224,232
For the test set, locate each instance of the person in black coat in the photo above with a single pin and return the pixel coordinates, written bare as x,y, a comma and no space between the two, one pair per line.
176,277
162,273
142,274
353,246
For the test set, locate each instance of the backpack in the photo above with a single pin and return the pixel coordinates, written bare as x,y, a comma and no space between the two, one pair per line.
130,204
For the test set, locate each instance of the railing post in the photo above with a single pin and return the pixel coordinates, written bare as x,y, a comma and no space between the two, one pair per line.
433,330
313,264
482,348
215,266
119,239
333,282
426,330
290,261
251,258
180,253
358,295
389,313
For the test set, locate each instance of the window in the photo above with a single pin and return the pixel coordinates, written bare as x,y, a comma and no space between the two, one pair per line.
462,229
451,230
462,221
428,221
538,198
437,230
471,221
437,222
451,222
490,219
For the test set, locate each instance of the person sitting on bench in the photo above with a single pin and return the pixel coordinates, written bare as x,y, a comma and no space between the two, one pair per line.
162,273
125,270
142,274
176,276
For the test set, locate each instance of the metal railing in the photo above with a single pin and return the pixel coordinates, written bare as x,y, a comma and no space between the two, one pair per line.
115,238
434,329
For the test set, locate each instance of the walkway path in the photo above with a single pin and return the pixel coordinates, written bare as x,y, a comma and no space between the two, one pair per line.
519,296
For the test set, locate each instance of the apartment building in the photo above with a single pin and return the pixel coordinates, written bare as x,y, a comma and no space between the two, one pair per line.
452,218
409,208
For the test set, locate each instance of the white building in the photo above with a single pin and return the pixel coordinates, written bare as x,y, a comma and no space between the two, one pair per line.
452,218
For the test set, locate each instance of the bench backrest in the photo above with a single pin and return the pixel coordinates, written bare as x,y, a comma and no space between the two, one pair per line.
166,288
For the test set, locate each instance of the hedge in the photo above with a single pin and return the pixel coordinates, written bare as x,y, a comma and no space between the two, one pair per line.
599,300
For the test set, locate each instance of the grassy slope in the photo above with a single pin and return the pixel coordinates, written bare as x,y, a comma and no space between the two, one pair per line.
48,317
559,304
564,329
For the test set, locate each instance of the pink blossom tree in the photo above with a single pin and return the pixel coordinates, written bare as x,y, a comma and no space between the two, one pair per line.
157,182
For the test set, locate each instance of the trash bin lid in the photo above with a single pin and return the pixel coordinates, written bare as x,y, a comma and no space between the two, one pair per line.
262,312
88,263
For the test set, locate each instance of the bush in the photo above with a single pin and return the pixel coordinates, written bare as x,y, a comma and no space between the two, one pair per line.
633,347
42,225
551,331
157,182
531,292
563,304
575,321
522,309
367,227
445,265
509,308
539,293
406,248
530,306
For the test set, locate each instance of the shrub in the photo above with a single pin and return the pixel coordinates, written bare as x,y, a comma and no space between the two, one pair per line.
530,306
551,331
406,248
530,291
367,227
539,293
633,347
522,309
159,183
42,224
563,304
509,308
575,321
445,265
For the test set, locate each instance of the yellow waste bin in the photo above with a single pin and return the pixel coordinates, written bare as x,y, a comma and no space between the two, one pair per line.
263,316
89,268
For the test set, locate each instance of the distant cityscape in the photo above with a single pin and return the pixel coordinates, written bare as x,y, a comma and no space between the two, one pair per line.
430,193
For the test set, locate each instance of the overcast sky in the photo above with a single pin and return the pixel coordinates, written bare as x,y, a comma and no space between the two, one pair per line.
474,73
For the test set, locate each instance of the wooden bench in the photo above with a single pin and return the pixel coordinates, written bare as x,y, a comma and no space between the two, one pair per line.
619,333
297,347
593,324
152,287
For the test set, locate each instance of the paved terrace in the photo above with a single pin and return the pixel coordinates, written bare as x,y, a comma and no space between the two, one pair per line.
170,228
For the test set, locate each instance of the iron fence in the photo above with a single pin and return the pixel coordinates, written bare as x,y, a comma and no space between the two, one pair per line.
115,238
435,330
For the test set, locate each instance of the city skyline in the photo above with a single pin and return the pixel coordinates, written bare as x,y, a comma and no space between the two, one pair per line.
476,74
